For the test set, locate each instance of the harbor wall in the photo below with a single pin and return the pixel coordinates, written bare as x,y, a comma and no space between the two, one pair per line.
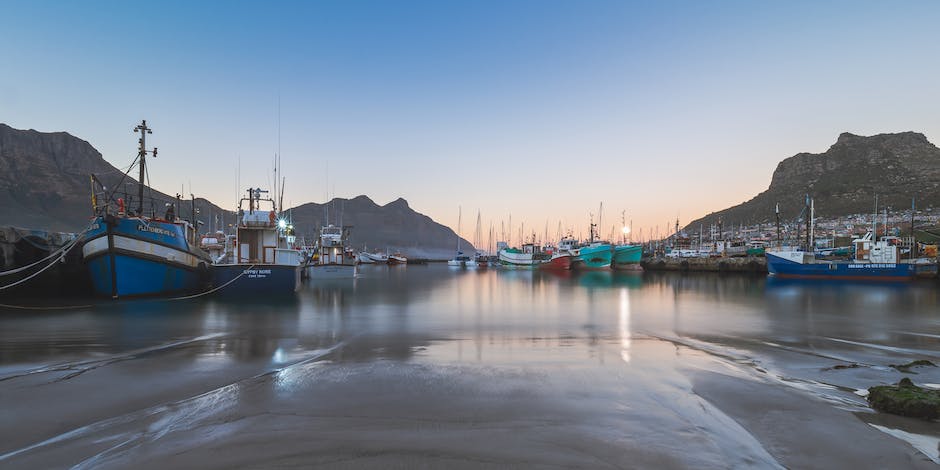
746,265
21,247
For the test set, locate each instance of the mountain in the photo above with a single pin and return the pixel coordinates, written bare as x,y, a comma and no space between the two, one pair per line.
394,226
44,184
845,179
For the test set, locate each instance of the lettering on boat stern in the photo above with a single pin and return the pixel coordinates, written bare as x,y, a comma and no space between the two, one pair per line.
257,273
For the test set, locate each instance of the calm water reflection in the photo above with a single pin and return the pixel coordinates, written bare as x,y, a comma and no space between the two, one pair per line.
392,312
616,341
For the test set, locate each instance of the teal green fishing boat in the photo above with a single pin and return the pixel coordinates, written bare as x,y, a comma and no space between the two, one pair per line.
756,251
627,257
595,256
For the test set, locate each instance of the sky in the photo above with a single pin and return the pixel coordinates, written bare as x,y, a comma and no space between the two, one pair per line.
535,110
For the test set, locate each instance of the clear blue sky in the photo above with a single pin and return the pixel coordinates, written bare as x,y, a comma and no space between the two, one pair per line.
541,109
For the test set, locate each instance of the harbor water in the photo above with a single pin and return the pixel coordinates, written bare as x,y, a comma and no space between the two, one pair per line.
437,367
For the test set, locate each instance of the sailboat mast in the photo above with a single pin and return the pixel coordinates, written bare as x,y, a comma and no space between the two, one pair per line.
459,217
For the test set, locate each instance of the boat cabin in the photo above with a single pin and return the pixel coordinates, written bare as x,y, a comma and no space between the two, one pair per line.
870,251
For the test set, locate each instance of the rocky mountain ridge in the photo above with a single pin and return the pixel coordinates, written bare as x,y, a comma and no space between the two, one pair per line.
845,179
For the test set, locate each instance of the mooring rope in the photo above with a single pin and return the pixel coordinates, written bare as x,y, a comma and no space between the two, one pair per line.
66,247
61,255
51,307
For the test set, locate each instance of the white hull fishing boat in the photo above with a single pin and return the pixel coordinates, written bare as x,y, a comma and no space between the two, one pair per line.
529,256
373,258
331,259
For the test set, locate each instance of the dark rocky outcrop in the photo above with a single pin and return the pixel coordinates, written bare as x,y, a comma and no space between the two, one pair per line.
845,179
905,399
906,368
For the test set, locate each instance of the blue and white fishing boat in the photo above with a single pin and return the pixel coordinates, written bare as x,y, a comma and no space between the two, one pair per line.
874,261
265,259
128,254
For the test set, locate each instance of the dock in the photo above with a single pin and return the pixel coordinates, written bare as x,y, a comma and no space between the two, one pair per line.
745,265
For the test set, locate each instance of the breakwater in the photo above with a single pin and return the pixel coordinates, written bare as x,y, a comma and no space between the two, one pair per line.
20,248
747,265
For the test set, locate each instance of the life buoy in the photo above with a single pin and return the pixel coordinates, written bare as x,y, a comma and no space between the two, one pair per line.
121,206
272,217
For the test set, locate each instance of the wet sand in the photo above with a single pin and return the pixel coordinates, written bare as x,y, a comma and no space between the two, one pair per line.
432,368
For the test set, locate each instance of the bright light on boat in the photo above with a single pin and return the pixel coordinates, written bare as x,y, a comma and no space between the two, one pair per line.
282,224
626,230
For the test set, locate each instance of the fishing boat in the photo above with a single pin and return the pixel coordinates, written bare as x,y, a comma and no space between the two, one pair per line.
874,260
330,259
397,258
559,261
459,261
265,260
569,246
627,258
373,258
529,256
217,245
594,255
128,254
480,260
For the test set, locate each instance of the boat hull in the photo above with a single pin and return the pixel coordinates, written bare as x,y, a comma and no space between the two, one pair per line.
594,257
559,262
627,258
262,279
784,268
519,260
138,258
332,271
372,258
138,277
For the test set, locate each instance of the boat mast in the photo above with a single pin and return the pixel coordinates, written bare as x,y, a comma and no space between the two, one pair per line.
459,216
812,225
777,213
913,238
142,155
623,225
